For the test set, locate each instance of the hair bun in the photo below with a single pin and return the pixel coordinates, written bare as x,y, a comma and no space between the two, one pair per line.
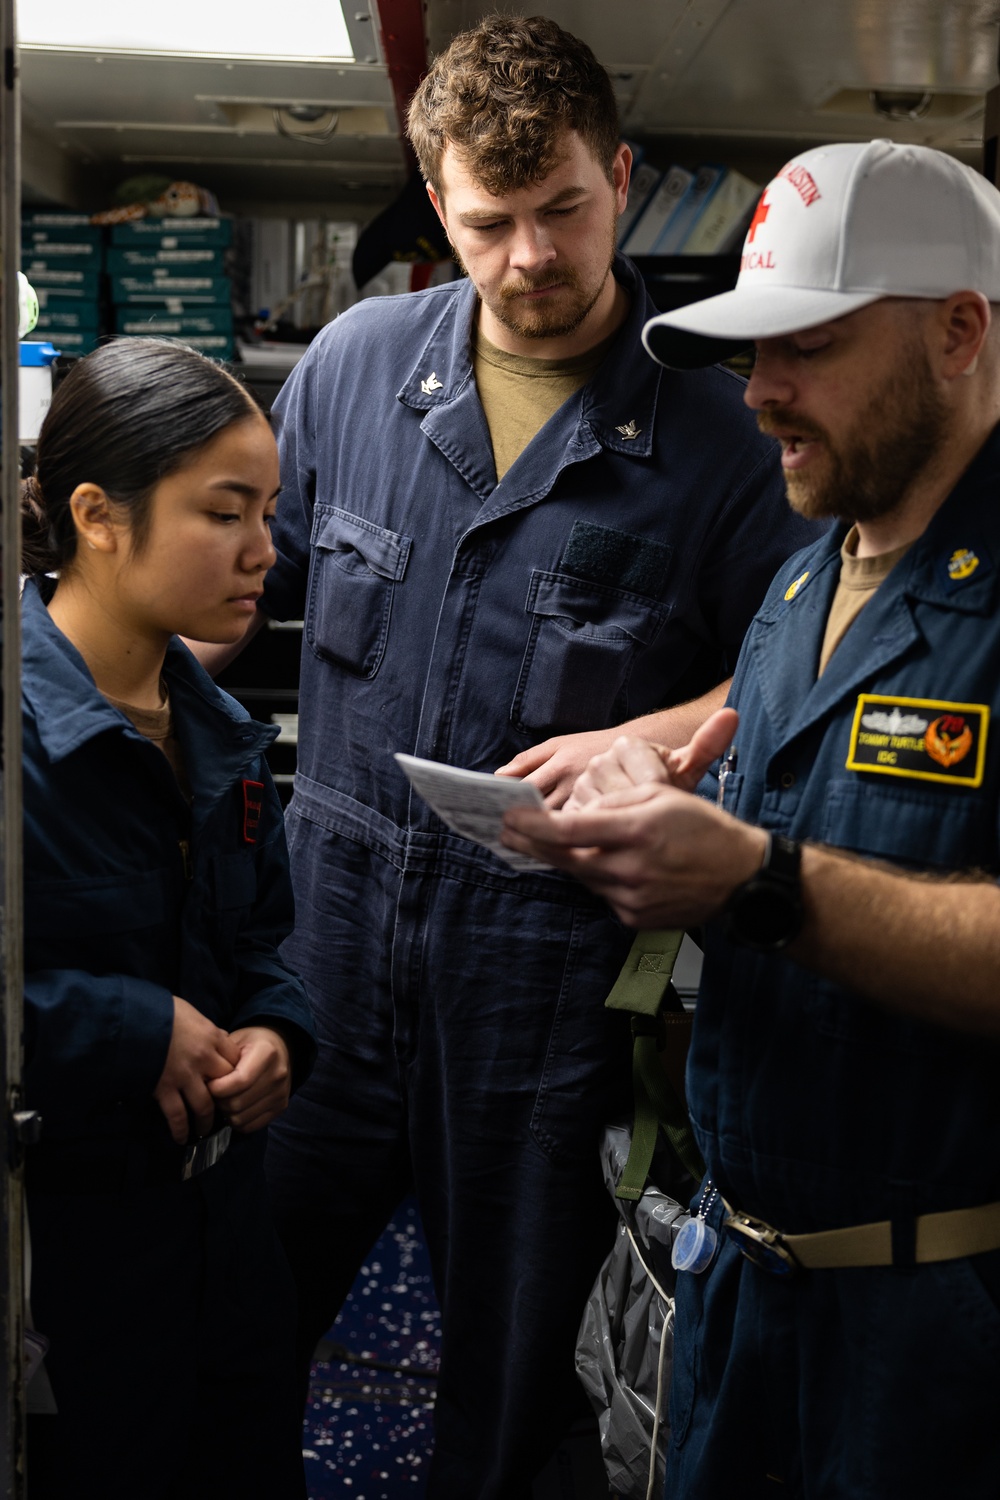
37,553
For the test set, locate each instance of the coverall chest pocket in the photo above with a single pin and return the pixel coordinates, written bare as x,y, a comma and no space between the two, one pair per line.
582,642
355,569
232,890
95,905
920,828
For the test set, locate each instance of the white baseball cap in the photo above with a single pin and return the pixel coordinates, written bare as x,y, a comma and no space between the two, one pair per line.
838,228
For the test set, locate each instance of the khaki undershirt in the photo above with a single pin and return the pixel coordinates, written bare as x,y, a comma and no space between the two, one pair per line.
520,394
859,579
157,725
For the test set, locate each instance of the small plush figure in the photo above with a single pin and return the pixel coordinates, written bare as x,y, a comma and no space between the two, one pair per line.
158,198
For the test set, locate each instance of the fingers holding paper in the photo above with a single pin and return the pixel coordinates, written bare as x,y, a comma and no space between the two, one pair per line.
634,833
631,762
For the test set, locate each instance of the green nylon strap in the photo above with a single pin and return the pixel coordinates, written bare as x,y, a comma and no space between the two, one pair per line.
640,988
642,983
644,1130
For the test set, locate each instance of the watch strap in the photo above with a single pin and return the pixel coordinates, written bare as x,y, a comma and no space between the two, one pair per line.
782,859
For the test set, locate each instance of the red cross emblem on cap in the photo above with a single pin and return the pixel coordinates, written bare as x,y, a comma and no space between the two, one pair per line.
760,217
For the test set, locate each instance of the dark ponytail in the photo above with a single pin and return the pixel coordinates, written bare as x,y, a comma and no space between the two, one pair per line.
124,418
36,545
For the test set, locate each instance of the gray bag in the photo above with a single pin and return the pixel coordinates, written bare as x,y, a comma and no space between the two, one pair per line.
625,1344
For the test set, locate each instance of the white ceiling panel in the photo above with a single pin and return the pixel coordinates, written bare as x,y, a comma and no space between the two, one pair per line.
705,79
115,112
760,69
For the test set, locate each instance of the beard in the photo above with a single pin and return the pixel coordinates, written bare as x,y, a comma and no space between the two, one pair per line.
869,471
553,317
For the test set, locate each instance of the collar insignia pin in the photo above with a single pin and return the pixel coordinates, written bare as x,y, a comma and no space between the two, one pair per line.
431,384
629,431
962,564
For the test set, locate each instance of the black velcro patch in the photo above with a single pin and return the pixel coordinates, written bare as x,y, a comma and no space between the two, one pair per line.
617,558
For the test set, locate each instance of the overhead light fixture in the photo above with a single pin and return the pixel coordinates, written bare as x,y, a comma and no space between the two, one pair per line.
300,119
316,124
224,28
904,104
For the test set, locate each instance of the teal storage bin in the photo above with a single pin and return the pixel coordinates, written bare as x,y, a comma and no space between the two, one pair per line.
79,341
66,280
157,323
171,233
159,290
57,222
58,317
50,244
202,260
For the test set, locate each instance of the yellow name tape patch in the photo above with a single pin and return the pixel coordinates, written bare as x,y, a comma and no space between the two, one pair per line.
922,738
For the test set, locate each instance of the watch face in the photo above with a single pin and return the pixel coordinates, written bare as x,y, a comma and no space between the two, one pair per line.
765,914
768,917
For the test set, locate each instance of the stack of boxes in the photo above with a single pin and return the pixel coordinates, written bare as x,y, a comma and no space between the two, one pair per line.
169,279
62,255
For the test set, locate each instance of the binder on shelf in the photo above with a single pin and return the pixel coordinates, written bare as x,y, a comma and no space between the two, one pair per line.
689,210
640,189
659,213
724,217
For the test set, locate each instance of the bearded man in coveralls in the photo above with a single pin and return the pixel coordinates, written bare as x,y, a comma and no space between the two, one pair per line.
845,1339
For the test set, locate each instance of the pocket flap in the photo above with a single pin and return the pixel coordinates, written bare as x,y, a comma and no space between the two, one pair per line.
602,613
870,819
109,904
385,552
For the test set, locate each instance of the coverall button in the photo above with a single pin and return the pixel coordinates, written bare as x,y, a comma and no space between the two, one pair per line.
787,779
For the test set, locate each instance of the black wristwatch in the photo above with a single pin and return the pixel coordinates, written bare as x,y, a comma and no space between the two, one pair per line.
765,912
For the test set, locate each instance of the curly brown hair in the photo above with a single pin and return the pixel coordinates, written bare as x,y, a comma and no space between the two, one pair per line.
503,94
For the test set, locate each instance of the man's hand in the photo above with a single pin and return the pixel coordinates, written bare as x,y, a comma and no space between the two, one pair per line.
631,762
199,1051
257,1089
659,856
554,765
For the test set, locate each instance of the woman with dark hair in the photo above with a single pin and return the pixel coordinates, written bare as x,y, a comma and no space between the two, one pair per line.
162,1031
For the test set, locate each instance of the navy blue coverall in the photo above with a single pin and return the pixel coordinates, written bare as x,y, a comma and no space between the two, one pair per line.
613,571
168,1305
815,1108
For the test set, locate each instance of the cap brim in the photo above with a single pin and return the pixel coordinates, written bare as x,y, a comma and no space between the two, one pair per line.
702,333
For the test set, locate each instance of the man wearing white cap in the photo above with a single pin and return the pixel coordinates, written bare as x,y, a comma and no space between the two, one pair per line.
843,1081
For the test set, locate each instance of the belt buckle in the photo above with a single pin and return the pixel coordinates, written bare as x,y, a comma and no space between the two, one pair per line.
761,1244
205,1152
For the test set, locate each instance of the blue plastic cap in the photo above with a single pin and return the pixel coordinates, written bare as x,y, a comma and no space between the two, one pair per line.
36,353
694,1247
